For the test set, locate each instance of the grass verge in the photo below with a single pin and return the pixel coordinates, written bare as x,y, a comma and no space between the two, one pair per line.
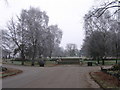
28,63
10,72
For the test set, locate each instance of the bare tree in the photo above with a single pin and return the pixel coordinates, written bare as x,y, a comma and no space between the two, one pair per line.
71,49
36,22
97,35
15,33
32,36
53,38
115,38
99,23
115,4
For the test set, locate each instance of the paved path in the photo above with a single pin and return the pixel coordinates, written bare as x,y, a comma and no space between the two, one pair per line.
63,76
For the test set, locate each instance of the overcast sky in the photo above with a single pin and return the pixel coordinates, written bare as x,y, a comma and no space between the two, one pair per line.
68,14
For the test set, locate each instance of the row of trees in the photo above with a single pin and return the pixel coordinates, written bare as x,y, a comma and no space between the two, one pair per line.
102,28
30,35
70,50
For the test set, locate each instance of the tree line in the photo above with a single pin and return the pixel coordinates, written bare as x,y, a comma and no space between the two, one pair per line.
29,36
102,32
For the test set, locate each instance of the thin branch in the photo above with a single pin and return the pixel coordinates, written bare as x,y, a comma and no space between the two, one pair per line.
107,9
103,9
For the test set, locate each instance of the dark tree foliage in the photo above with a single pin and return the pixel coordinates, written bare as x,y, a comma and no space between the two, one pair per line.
102,32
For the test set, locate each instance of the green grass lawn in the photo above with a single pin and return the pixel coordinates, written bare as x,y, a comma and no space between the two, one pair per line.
107,62
52,63
28,63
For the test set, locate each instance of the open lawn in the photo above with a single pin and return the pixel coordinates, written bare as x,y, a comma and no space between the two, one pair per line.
52,62
107,62
28,63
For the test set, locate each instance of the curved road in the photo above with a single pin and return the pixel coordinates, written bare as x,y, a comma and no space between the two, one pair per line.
62,76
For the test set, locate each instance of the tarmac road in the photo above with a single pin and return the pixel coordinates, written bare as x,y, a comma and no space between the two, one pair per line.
62,76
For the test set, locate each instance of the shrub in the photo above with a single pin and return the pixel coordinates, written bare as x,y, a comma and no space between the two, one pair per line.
116,67
3,69
41,63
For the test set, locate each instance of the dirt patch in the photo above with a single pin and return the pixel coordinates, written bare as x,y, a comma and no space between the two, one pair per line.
105,80
10,72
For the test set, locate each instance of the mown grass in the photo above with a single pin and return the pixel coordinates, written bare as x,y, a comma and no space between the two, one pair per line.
107,62
53,62
28,63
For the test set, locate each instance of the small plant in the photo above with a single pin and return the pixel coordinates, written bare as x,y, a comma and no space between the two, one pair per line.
116,67
3,69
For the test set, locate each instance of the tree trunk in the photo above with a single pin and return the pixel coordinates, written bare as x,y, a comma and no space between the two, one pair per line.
117,58
32,64
50,54
23,57
116,53
98,60
34,52
9,56
116,61
23,61
103,62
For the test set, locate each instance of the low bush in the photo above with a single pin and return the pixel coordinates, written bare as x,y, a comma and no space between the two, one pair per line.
114,71
116,67
41,63
3,69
